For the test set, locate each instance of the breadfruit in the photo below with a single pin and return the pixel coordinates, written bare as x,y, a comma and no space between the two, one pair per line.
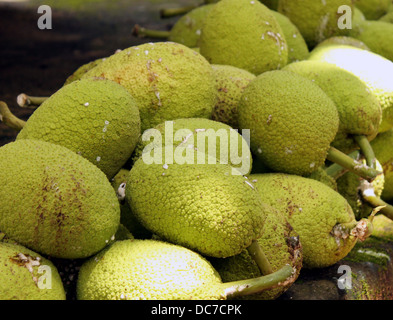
359,110
98,119
316,20
292,121
230,82
26,275
345,40
373,9
321,216
373,69
243,34
214,138
54,201
167,80
387,17
322,176
79,72
297,46
204,207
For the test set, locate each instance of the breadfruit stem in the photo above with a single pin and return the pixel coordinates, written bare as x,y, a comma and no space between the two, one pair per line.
251,286
369,196
366,149
26,101
352,165
141,32
336,171
172,12
259,257
10,119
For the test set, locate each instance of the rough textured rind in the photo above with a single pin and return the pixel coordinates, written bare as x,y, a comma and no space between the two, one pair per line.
204,207
243,34
316,20
359,110
230,84
313,210
148,270
374,70
168,81
97,119
26,275
54,201
373,9
291,120
344,40
322,176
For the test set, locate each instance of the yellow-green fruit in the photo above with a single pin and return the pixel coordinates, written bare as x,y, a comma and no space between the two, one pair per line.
187,29
387,17
185,136
357,17
230,83
281,246
383,149
168,81
359,110
98,119
54,201
374,70
349,41
297,46
373,9
148,270
377,35
316,20
78,73
322,176
243,34
127,218
26,275
320,215
208,208
292,121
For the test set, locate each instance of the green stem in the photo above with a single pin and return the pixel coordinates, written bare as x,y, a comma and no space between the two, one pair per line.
336,171
352,165
369,196
251,286
256,253
139,31
172,12
366,149
9,119
26,101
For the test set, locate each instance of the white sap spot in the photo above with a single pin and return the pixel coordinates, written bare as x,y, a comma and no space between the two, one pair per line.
98,159
295,35
312,165
249,184
252,2
165,166
146,52
259,150
87,104
198,32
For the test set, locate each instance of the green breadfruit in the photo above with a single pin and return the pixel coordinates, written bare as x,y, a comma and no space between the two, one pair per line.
54,201
243,34
230,82
383,149
26,275
167,80
373,9
187,29
322,217
209,208
78,73
297,46
98,119
374,70
344,40
359,110
292,121
377,35
214,138
316,20
322,176
387,17
281,246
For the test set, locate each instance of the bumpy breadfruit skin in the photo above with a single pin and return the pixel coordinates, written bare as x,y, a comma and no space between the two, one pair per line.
168,81
281,246
313,210
316,20
54,201
344,40
359,110
243,34
297,46
148,270
373,9
230,83
204,207
373,69
291,120
26,275
97,119
187,29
